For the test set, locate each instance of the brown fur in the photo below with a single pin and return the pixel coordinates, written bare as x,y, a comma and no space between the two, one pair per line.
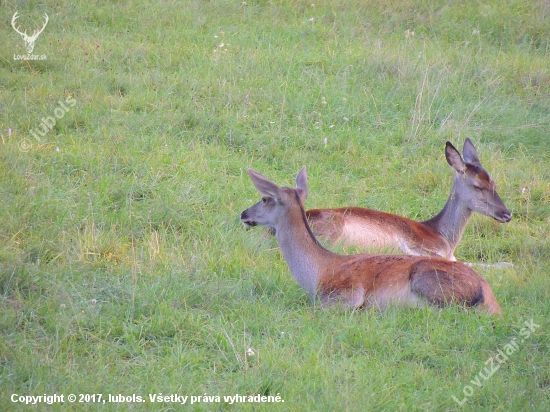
402,279
372,228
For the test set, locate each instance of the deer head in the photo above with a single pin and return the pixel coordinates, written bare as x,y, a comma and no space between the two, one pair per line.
275,202
474,185
29,40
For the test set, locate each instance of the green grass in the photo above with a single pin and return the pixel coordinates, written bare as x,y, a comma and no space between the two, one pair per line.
124,268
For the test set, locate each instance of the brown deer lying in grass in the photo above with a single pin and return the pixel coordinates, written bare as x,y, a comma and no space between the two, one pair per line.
472,191
359,280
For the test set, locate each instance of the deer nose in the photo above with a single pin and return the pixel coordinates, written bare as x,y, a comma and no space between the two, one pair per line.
246,220
503,216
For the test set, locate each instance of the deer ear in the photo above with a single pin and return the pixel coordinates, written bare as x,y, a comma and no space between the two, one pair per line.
470,153
454,159
265,186
301,184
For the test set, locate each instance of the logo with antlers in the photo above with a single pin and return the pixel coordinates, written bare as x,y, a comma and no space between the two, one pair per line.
29,40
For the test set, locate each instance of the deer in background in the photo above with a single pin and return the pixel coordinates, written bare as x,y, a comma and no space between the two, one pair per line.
29,40
473,191
359,280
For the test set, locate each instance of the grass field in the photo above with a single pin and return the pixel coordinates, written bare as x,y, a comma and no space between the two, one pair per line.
125,269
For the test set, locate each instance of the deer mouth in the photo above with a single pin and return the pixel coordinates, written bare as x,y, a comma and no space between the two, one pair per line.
503,217
246,220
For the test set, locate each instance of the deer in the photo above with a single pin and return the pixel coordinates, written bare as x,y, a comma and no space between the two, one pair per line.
29,40
473,190
361,281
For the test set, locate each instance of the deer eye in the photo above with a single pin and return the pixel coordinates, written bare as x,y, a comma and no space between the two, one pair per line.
264,199
478,188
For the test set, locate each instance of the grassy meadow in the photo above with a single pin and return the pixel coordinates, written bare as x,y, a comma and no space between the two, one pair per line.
125,269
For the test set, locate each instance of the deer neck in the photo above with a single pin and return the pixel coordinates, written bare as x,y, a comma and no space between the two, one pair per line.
303,254
452,220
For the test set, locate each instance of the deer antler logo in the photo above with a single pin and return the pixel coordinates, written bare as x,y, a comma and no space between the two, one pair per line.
29,40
